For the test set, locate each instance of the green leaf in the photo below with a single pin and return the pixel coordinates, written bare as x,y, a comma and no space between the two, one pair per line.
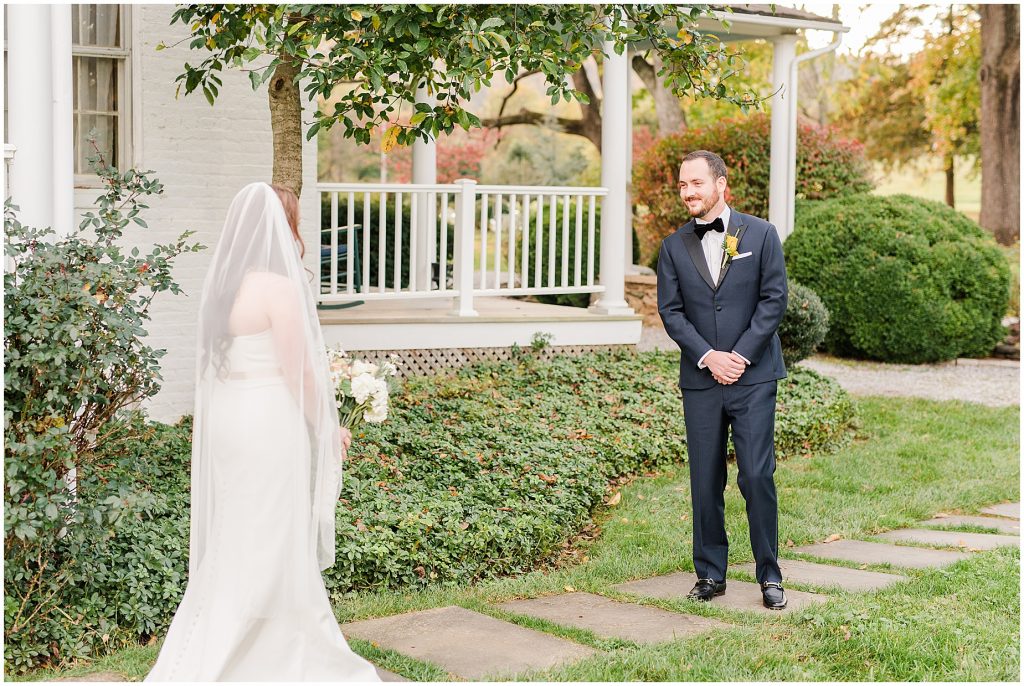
492,23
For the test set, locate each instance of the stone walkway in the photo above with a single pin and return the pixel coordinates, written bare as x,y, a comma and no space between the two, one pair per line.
991,382
475,646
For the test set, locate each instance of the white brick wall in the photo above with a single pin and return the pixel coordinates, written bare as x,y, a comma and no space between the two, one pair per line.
203,155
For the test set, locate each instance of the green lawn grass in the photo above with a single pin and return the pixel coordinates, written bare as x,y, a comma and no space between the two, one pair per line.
926,179
911,459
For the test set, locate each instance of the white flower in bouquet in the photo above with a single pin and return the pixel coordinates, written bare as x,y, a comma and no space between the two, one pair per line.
377,413
363,386
363,367
362,389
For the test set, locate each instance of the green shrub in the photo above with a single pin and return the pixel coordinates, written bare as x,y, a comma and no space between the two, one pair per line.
827,167
371,233
567,299
804,325
904,279
476,475
75,311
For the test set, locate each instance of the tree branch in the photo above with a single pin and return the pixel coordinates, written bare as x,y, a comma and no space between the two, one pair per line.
515,87
565,124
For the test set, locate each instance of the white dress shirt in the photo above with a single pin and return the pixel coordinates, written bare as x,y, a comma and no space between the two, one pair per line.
713,253
712,244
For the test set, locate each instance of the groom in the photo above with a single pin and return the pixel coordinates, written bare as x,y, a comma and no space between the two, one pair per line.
721,294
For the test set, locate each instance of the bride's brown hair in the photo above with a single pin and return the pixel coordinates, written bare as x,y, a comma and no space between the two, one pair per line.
290,202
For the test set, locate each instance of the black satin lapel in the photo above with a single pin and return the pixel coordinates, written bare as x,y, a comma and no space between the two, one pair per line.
736,228
696,250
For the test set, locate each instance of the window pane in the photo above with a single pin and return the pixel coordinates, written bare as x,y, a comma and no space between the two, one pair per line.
105,127
95,84
98,25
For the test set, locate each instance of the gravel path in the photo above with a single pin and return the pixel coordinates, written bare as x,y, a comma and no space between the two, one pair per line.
989,382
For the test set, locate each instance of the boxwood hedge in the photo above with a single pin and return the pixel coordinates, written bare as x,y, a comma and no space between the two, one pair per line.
904,279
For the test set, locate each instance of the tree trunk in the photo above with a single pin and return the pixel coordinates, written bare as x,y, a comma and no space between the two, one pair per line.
950,198
286,124
591,122
1000,121
666,105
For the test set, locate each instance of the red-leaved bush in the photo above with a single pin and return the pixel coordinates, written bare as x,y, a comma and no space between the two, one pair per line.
827,167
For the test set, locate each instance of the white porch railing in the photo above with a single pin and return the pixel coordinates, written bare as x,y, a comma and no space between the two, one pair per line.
460,240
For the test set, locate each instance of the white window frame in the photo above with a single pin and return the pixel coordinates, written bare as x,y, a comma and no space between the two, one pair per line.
125,119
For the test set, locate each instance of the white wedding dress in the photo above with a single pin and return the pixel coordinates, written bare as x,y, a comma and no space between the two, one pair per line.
256,608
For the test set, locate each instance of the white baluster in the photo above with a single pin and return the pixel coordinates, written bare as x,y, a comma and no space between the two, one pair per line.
465,202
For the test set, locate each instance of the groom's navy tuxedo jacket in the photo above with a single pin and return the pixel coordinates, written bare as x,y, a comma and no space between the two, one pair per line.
741,313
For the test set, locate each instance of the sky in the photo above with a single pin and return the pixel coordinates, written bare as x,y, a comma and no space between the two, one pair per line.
863,20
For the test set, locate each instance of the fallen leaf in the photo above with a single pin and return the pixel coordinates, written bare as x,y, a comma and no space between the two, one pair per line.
614,500
570,589
789,543
833,538
846,632
941,515
683,518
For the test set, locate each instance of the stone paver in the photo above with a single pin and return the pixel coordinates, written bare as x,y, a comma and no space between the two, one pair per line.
1011,510
1006,526
953,539
740,595
613,619
468,644
98,676
826,576
866,552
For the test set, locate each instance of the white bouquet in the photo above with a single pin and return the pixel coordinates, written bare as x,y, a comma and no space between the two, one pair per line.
361,389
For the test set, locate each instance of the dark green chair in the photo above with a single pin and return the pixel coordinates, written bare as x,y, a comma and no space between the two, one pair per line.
325,263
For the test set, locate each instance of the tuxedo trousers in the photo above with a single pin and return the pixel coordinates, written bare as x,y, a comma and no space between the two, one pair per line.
708,414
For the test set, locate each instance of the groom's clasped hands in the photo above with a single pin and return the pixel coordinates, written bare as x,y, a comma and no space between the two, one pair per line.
726,367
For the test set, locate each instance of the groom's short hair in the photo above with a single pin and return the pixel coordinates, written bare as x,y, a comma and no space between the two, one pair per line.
715,163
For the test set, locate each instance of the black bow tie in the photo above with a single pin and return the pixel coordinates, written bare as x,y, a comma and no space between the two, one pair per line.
702,229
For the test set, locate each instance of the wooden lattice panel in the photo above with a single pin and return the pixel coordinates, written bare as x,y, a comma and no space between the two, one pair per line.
429,362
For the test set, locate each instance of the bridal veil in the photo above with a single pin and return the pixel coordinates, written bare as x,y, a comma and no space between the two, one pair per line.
257,238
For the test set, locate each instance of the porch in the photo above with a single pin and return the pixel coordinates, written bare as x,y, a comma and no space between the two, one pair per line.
407,267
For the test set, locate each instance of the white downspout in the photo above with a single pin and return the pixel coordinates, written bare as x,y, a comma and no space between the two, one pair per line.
791,153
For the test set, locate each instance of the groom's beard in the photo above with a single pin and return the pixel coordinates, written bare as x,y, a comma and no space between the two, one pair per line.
706,204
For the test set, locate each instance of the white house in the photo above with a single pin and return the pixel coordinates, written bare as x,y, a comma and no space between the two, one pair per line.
72,68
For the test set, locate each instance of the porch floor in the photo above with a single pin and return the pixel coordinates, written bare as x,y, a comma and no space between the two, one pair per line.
500,322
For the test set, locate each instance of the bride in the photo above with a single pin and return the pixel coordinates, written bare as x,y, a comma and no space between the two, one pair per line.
266,468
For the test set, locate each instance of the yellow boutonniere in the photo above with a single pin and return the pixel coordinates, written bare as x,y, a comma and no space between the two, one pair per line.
730,246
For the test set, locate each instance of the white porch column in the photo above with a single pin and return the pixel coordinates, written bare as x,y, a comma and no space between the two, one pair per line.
614,177
63,121
30,113
628,247
424,171
783,53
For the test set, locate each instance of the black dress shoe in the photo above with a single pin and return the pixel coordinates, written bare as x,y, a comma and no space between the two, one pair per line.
706,589
774,596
